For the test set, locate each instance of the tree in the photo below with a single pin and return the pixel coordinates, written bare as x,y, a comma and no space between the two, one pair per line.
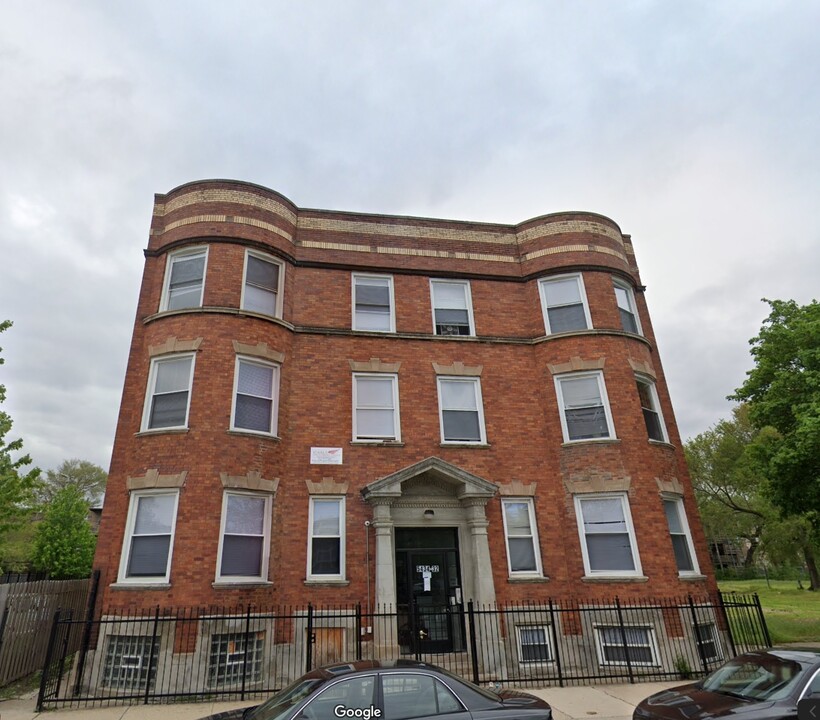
89,478
783,391
64,543
16,487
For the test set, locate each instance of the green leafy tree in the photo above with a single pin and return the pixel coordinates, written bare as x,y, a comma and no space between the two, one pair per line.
16,487
89,478
64,543
783,391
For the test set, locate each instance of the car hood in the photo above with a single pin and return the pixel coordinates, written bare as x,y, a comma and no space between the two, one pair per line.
516,698
690,702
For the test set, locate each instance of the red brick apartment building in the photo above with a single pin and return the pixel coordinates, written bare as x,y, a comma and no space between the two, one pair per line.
339,408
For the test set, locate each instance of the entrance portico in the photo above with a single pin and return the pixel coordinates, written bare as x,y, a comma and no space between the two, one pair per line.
433,494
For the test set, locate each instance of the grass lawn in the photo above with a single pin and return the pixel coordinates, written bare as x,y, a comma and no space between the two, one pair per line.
792,615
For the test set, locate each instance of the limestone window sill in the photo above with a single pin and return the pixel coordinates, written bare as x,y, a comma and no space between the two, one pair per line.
139,586
614,579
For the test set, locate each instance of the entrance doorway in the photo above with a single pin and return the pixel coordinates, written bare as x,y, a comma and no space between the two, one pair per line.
428,590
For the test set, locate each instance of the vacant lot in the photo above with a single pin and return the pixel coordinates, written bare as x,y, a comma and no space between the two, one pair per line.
792,615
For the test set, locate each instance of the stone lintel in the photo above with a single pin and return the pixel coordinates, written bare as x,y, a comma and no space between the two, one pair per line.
260,350
643,367
582,484
459,369
327,486
152,479
174,345
672,486
517,488
374,365
576,364
252,481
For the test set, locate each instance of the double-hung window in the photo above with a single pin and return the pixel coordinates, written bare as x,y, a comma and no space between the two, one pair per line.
707,640
651,409
462,415
326,546
681,537
523,556
149,536
452,307
534,643
169,392
184,279
263,278
607,536
634,645
373,307
564,303
376,407
625,298
584,407
256,393
244,538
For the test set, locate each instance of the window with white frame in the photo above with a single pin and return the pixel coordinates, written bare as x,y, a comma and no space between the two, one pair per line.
625,298
619,645
452,307
234,657
373,303
461,412
584,407
707,640
651,408
523,556
260,291
376,407
607,536
129,662
169,392
326,547
184,279
149,537
564,303
244,538
534,644
256,390
681,537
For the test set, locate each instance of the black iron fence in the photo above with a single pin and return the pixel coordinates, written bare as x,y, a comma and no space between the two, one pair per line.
165,655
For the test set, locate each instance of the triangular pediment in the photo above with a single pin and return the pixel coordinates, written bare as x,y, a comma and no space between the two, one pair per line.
434,472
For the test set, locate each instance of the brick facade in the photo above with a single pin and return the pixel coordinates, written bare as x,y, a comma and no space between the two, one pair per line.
416,480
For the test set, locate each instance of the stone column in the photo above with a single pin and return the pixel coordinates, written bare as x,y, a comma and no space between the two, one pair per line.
483,586
385,632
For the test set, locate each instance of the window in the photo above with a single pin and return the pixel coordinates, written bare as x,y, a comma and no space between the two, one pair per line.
169,393
260,292
607,536
256,393
626,307
149,536
452,308
355,695
184,279
533,644
129,662
584,407
681,538
651,410
235,656
462,417
376,407
617,645
708,644
410,695
373,303
326,552
523,556
564,303
245,537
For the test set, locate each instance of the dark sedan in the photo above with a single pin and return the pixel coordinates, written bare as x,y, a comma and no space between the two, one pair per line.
762,685
372,690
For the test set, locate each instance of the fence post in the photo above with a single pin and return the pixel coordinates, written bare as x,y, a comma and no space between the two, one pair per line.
725,613
554,634
623,640
151,655
247,650
310,639
473,641
762,619
89,619
359,629
698,642
49,656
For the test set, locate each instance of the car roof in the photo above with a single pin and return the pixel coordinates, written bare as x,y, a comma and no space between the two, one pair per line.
342,668
798,653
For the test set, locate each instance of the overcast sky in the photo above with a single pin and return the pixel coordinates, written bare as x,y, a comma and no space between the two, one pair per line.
694,125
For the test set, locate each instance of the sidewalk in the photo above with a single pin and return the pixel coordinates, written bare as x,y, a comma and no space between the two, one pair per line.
600,702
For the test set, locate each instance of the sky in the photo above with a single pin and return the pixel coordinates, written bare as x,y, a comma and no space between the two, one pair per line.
694,125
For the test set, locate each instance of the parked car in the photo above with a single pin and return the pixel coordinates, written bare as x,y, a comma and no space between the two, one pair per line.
761,685
373,690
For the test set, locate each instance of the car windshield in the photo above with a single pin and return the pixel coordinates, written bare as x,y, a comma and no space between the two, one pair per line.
277,706
764,677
